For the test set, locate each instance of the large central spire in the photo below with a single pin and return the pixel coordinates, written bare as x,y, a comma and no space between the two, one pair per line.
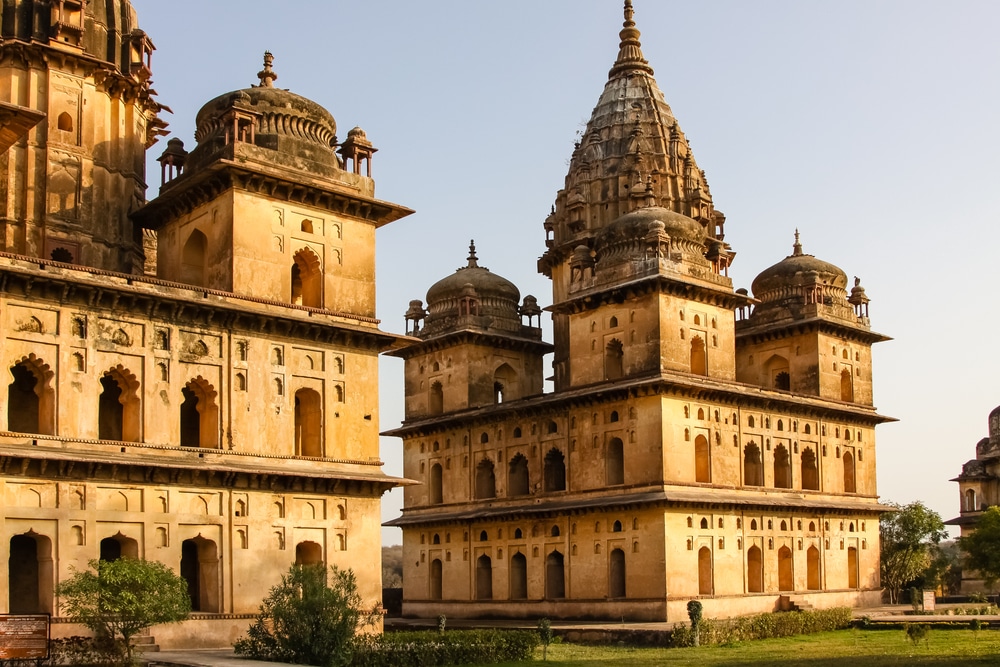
631,154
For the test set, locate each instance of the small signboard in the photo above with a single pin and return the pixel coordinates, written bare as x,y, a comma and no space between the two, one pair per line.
928,600
24,636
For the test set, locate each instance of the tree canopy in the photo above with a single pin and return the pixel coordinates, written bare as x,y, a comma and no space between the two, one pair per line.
909,536
982,546
117,599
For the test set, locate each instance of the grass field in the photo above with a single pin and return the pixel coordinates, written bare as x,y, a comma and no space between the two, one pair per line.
862,648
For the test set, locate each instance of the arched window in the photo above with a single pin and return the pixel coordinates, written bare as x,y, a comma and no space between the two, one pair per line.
812,569
518,577
810,470
484,578
786,577
852,567
504,384
704,523
486,483
193,258
435,579
118,546
555,471
753,467
436,402
555,582
613,360
307,279
699,363
706,582
616,573
615,462
29,574
970,500
65,122
846,386
782,468
755,570
782,381
849,485
31,398
702,460
308,423
435,485
199,415
200,567
517,476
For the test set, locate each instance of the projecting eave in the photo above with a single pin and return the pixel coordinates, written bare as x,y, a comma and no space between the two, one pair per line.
412,346
747,332
696,387
15,122
703,498
705,291
964,520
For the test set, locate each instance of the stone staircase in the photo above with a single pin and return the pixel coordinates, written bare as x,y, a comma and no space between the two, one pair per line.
145,643
795,603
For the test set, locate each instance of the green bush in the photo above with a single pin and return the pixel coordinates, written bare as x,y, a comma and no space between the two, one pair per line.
456,647
763,626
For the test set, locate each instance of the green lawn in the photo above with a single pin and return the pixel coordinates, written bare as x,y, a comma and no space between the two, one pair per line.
863,648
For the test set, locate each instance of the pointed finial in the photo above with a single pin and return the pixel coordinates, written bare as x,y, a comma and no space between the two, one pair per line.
267,75
630,50
473,260
797,247
650,198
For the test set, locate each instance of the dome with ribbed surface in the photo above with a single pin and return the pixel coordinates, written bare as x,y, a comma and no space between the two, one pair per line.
795,270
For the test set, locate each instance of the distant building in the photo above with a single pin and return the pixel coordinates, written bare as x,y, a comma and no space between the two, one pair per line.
698,444
191,380
979,489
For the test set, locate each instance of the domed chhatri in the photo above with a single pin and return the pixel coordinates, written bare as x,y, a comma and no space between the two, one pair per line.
796,270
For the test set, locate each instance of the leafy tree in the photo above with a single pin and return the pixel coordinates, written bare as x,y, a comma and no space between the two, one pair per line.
310,618
392,566
545,635
982,547
118,599
909,537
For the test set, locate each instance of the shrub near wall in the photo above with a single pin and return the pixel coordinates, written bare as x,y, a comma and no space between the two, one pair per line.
764,626
455,647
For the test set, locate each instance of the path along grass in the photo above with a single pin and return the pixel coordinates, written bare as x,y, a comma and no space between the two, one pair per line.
861,648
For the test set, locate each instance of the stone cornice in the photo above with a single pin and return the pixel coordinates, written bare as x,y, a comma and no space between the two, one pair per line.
176,303
470,337
190,190
617,293
749,334
691,387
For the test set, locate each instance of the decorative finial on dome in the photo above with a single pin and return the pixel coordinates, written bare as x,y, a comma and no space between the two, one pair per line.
267,75
630,50
473,260
797,247
650,197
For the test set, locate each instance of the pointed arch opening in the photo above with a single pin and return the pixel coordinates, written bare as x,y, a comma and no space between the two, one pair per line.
200,568
307,279
435,582
308,423
699,361
753,467
615,462
810,470
702,460
518,577
517,477
308,553
435,489
786,576
782,468
970,500
614,355
199,415
486,481
505,384
193,259
616,574
852,567
755,570
555,580
436,399
119,546
118,412
812,569
484,578
706,577
31,397
849,473
30,574
555,471
846,386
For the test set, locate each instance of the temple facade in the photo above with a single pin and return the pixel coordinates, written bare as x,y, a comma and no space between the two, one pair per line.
700,442
193,379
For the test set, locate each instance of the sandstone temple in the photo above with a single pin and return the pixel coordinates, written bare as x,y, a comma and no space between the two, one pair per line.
700,442
193,379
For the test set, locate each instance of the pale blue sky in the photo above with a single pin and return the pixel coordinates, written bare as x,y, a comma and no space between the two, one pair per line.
872,126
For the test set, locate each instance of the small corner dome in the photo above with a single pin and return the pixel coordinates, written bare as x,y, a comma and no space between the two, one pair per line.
637,223
798,269
487,285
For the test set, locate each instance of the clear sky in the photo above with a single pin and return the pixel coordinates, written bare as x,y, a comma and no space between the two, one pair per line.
871,126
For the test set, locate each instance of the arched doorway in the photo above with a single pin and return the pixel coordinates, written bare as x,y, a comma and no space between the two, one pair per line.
810,470
702,460
517,476
435,582
31,398
849,483
782,468
615,464
555,471
435,489
199,415
846,386
753,467
200,567
308,553
706,579
755,570
786,577
436,399
484,578
193,259
699,363
486,481
616,574
555,582
29,574
518,577
307,279
308,423
613,360
812,569
852,567
119,546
